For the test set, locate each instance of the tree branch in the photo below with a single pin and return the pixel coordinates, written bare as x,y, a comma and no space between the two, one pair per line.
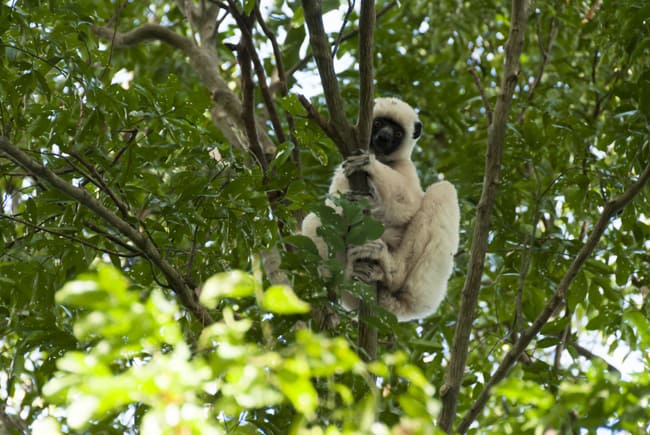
227,113
145,33
351,34
248,102
174,279
586,353
359,181
556,302
366,73
97,179
133,253
496,138
282,83
344,136
245,25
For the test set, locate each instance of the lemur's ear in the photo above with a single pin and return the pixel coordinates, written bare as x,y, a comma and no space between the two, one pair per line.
417,130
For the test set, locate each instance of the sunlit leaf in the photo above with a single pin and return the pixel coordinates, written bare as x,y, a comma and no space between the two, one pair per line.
233,284
281,299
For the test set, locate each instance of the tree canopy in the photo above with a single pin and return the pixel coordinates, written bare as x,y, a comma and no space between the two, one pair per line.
157,158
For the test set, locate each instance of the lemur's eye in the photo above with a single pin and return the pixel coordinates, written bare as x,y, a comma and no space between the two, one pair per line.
376,123
399,134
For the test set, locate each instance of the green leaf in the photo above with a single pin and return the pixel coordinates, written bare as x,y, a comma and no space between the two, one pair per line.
281,299
369,229
292,104
80,293
233,284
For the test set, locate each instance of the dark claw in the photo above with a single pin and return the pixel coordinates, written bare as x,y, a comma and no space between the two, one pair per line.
356,195
368,272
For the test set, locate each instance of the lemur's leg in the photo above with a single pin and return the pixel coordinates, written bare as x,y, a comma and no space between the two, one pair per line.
423,261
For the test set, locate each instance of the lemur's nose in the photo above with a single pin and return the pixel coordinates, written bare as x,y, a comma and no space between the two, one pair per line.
384,136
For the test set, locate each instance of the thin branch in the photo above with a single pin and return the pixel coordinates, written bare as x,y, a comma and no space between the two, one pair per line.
98,180
545,51
315,116
175,280
349,140
346,18
526,257
584,352
245,25
562,343
282,81
496,138
481,90
68,236
190,259
557,301
248,103
112,238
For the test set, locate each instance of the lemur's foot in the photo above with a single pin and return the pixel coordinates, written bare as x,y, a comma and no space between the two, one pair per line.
372,250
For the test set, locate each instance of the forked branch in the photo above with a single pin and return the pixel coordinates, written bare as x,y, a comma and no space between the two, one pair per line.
348,139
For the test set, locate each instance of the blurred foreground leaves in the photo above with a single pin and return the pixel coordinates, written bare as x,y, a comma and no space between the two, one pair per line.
133,353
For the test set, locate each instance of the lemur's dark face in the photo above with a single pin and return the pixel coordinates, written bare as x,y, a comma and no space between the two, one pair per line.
387,136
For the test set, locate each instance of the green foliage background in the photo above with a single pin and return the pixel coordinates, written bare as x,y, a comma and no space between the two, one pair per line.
576,138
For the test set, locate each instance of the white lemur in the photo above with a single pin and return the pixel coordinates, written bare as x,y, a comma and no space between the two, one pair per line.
413,259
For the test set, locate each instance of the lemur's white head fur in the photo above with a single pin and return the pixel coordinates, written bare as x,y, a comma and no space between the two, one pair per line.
403,114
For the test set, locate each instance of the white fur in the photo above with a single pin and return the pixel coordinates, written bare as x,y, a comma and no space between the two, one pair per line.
415,253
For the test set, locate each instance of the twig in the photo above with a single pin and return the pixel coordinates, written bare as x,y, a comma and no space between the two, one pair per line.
496,138
114,21
561,345
282,81
175,280
556,302
245,25
313,114
481,90
545,51
582,351
526,256
346,18
98,180
113,238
